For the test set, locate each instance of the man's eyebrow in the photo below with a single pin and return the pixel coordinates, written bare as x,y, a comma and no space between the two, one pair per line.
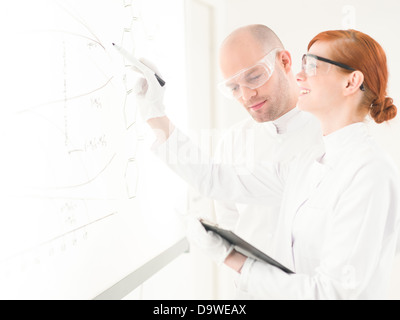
231,83
251,71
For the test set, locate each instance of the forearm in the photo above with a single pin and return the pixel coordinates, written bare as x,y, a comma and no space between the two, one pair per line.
259,185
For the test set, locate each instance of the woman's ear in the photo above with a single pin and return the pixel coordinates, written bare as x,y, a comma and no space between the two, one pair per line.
354,82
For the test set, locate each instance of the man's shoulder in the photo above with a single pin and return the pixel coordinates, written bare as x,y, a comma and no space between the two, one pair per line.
304,123
236,130
247,123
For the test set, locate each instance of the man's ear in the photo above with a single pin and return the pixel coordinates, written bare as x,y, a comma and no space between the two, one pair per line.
286,60
354,82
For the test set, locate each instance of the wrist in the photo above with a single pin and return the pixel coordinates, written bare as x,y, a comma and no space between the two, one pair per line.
162,127
235,261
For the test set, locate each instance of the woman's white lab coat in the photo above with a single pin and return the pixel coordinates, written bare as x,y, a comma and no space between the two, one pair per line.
339,218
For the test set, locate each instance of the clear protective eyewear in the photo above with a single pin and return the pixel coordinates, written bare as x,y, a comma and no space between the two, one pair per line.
309,65
252,78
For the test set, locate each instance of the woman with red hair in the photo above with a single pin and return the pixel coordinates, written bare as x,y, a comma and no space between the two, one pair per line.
356,58
340,210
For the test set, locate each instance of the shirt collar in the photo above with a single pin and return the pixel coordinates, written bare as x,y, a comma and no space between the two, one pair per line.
337,142
289,122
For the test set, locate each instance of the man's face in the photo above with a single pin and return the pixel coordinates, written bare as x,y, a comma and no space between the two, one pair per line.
267,102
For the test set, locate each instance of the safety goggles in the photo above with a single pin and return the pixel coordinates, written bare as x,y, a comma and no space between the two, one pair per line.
252,78
309,65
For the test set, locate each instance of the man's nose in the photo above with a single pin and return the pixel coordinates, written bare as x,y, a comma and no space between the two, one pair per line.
248,93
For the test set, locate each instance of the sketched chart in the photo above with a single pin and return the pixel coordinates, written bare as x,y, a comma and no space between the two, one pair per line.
69,138
75,177
134,137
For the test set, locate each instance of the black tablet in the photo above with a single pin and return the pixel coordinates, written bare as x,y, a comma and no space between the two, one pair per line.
243,246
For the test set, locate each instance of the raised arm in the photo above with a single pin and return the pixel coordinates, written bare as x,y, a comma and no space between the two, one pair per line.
259,185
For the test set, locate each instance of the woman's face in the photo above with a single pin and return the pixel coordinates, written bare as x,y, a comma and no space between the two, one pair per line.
320,82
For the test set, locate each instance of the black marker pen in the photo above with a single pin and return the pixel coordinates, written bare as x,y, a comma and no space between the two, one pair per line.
137,63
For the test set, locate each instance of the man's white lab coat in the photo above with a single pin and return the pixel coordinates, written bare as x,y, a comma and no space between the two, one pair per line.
338,223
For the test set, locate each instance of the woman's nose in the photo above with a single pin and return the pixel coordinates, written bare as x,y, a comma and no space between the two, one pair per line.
301,76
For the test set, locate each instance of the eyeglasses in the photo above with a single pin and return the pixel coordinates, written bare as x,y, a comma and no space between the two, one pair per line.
252,78
309,65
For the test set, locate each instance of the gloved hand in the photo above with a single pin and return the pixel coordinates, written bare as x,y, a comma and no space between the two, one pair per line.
149,93
209,242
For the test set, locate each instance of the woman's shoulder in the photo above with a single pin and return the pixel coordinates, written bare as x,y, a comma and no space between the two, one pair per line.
371,157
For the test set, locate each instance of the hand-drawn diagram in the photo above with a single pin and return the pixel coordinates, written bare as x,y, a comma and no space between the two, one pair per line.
69,134
65,144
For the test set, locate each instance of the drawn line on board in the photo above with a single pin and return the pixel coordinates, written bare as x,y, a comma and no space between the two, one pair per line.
67,98
73,34
82,22
83,183
41,116
56,238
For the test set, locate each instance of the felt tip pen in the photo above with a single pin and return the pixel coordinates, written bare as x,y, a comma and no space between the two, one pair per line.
136,62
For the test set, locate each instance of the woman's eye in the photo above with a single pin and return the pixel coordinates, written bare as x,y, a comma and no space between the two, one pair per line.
311,66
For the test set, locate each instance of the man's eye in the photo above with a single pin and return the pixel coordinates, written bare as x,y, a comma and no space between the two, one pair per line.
254,78
234,88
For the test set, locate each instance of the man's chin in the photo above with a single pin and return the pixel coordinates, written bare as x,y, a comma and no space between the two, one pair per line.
261,120
260,117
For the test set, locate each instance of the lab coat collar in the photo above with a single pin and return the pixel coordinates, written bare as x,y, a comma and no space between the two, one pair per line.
341,140
283,124
289,122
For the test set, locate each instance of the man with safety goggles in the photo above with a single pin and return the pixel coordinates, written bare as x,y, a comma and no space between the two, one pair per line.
252,78
258,74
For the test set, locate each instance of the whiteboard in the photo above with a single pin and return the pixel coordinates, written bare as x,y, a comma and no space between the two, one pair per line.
80,192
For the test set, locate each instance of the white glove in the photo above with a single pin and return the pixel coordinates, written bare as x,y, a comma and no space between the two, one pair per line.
149,92
209,242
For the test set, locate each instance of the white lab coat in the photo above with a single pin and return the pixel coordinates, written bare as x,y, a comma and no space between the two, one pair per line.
338,222
249,142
